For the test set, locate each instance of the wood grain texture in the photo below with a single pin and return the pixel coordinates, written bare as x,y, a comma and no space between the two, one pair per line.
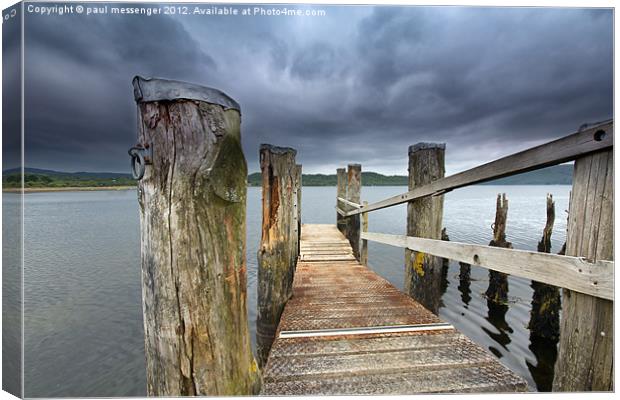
585,356
364,244
593,139
192,226
279,242
576,273
424,219
341,192
354,193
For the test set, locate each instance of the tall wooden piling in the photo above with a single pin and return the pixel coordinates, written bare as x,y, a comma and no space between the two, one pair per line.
364,248
341,192
585,356
298,185
354,188
279,242
192,200
545,312
498,281
424,219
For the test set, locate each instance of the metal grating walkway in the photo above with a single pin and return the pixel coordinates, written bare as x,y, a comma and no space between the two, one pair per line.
346,330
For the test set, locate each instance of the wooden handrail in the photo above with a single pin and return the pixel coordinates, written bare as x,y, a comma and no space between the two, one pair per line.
340,211
594,278
568,148
352,204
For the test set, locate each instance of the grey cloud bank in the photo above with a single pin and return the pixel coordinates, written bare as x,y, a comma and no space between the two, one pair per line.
359,84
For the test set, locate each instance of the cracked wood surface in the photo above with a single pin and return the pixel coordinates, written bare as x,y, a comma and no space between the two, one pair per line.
340,293
192,220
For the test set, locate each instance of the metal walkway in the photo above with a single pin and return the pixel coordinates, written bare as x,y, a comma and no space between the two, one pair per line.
346,330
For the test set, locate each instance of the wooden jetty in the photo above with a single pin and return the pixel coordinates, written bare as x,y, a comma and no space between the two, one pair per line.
346,330
326,324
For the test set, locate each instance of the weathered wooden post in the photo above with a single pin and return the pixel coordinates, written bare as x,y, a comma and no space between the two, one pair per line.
276,262
354,186
545,312
341,191
497,291
299,184
364,248
192,198
585,356
424,219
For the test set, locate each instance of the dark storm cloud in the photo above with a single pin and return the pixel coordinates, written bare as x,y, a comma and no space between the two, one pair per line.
80,113
359,85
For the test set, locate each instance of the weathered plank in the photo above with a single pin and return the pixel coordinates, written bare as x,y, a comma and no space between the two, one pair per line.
424,219
585,355
192,226
350,203
279,242
576,273
593,139
346,330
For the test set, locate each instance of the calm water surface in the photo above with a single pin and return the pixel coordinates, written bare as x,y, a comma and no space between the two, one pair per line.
83,313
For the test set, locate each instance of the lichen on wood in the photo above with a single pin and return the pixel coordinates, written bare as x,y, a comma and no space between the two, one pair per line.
423,272
192,221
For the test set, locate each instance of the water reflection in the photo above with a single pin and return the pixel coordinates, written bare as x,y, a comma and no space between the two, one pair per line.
465,283
497,317
546,352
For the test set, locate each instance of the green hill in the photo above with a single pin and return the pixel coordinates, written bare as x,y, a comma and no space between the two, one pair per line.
42,178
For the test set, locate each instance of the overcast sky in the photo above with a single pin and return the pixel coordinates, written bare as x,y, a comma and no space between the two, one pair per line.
360,84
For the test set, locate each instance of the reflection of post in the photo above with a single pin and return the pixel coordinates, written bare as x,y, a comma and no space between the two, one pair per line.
498,281
545,313
364,249
585,356
192,220
445,266
276,264
424,219
341,191
465,283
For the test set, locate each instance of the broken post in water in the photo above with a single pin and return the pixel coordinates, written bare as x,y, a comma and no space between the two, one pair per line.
192,196
354,189
585,354
497,291
545,313
424,220
279,242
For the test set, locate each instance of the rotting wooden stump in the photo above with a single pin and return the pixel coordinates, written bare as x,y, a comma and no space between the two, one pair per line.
347,331
352,223
545,312
424,219
497,291
192,201
341,191
279,242
585,354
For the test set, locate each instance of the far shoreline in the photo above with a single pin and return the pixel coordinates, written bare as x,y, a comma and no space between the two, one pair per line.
67,189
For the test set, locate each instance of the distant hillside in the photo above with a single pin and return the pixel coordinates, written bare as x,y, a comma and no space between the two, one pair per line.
555,175
45,178
35,178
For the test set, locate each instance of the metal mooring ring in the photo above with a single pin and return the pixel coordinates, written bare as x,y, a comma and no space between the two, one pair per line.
138,163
